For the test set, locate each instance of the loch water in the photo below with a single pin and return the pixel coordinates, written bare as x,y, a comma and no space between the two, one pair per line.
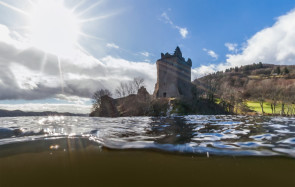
147,151
194,134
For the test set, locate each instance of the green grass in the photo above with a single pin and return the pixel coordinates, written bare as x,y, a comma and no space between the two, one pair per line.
254,105
217,100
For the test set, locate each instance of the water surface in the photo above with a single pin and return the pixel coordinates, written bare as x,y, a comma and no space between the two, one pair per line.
146,151
196,134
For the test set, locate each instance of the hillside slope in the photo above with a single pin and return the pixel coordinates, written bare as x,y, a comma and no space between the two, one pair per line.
265,84
18,113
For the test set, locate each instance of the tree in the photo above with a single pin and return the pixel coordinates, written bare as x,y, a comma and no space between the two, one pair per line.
131,87
273,93
278,70
121,91
286,71
96,98
258,91
211,85
138,82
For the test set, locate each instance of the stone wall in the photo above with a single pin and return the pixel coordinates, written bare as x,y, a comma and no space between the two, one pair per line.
173,76
131,105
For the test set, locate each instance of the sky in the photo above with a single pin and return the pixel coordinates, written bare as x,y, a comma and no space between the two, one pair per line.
54,54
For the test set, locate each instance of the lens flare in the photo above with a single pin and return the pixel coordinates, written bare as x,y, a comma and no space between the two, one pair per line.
54,28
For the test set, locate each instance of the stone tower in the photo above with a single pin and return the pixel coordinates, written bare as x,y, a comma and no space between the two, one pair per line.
173,76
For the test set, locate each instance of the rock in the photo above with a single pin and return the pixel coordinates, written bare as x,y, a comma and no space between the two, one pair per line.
143,95
108,107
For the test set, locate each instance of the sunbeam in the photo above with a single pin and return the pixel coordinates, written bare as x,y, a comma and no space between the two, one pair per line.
98,17
14,8
89,8
89,36
52,27
82,49
61,75
44,59
31,2
78,5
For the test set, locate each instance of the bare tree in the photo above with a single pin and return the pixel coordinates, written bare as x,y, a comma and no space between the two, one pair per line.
259,92
138,82
121,91
128,88
273,94
96,98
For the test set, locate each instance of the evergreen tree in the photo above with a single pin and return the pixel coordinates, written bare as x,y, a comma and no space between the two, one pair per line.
278,70
286,71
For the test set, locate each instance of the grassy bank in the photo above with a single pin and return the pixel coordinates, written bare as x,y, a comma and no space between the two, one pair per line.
255,106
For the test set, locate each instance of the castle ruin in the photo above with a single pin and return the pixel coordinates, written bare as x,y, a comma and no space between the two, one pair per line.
173,76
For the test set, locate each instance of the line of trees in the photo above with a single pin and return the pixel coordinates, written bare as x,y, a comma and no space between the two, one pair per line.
257,82
234,90
275,91
131,87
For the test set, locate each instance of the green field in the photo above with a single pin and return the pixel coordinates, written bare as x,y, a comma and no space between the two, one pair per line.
253,105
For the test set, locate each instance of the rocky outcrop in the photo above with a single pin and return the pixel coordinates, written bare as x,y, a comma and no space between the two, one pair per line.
135,104
108,108
132,105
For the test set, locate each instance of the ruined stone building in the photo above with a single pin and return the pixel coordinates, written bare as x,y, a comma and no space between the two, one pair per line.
173,76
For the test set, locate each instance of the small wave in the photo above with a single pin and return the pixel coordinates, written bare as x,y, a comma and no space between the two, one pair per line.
194,134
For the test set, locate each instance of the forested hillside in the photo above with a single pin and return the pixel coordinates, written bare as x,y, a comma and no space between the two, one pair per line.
269,88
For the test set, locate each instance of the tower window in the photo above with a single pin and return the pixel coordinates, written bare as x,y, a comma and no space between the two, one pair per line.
164,94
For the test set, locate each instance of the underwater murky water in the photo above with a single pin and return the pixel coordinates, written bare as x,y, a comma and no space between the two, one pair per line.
147,151
196,134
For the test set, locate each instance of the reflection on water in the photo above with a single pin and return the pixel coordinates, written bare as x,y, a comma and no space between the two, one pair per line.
196,134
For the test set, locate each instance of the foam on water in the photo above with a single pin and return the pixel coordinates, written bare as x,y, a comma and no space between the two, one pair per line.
194,134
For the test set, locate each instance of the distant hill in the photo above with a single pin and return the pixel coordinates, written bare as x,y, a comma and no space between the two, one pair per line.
257,82
19,113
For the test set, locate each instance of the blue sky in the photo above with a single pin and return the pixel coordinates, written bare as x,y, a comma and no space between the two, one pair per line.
210,24
62,54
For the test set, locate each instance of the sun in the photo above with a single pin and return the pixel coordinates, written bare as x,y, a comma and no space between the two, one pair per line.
53,28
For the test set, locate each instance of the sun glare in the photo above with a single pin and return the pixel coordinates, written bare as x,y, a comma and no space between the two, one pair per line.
53,27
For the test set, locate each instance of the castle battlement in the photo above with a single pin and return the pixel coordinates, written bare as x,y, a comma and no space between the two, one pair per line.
173,75
177,54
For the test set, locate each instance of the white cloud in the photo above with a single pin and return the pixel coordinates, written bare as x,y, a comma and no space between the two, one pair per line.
30,74
275,44
112,45
202,71
182,30
232,47
211,53
73,99
146,54
272,45
124,70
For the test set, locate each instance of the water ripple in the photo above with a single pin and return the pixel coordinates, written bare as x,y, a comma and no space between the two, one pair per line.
194,134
